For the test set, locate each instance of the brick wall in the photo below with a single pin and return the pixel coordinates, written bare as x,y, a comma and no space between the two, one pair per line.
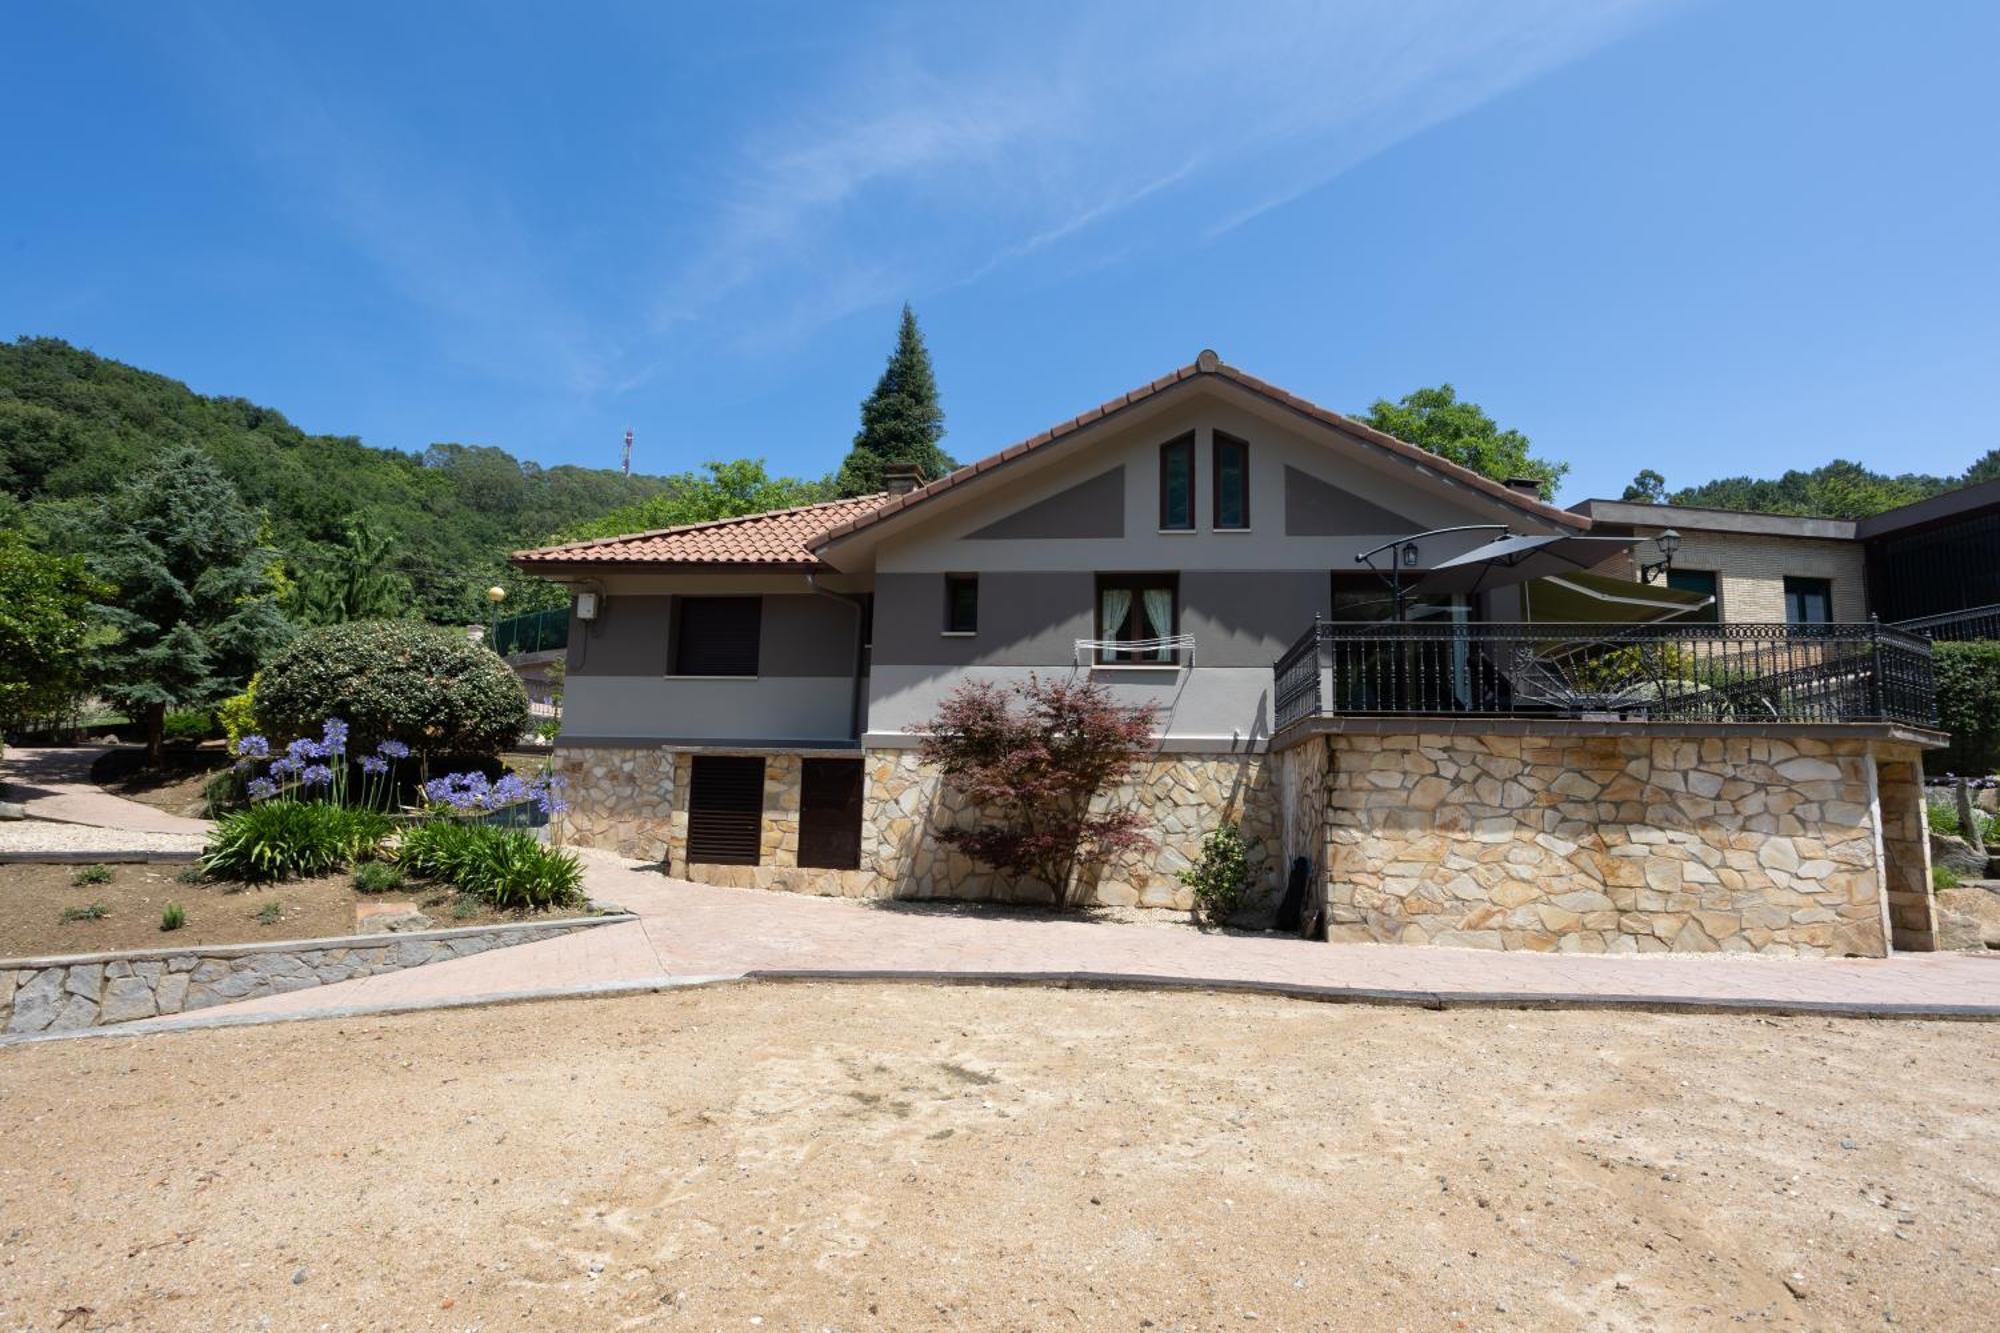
1752,571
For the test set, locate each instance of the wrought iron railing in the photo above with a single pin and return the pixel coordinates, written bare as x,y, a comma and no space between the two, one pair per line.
1673,673
1979,622
533,632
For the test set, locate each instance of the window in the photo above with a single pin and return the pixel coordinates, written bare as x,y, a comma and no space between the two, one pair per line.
1177,485
1232,483
1137,609
961,604
1698,581
716,636
830,814
1808,601
725,810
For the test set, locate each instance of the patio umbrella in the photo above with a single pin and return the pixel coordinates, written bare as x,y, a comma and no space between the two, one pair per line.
1600,598
1510,560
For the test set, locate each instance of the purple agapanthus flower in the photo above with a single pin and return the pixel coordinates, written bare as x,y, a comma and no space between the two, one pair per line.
333,737
304,748
393,750
253,747
374,764
261,789
284,767
460,791
315,775
509,790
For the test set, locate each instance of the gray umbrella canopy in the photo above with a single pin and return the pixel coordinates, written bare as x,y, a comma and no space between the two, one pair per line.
1509,560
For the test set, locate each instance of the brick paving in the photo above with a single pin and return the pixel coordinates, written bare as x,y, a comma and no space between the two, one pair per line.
692,931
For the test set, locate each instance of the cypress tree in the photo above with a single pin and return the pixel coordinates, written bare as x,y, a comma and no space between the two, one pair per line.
901,421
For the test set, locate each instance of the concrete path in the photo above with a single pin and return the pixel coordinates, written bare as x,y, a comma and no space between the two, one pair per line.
690,932
53,782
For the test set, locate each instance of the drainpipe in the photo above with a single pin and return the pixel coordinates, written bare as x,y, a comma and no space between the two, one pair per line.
853,600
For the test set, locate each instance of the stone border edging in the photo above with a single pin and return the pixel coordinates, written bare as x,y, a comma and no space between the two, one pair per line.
1416,999
73,858
82,992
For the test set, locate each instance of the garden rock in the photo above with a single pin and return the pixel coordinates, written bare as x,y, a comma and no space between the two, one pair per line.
1969,917
396,923
12,810
1957,856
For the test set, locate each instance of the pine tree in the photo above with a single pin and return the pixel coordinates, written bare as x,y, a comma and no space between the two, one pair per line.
358,581
195,610
901,421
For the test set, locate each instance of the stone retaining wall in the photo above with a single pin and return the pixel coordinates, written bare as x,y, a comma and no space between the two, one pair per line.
1618,843
91,990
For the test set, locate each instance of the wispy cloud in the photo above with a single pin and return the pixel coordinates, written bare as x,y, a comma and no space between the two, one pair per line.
937,154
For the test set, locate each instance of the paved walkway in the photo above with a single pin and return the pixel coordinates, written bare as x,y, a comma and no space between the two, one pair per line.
53,782
689,932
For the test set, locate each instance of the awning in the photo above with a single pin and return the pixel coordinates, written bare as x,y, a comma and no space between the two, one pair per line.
1582,597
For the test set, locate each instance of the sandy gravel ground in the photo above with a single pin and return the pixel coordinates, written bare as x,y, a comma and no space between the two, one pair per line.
809,1157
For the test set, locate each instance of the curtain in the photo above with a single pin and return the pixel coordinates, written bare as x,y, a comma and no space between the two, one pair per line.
1160,619
1117,606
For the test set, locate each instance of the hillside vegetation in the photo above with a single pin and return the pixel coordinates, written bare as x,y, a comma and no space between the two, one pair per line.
73,425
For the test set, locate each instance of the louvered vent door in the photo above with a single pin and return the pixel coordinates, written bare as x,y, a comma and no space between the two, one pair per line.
830,814
725,810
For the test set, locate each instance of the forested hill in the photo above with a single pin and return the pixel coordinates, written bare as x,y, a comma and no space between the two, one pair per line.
73,425
1836,490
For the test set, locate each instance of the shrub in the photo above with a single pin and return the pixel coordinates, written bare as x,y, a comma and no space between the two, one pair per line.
1221,878
91,875
508,868
189,726
395,680
1943,877
191,875
1968,702
377,877
281,840
1033,772
94,912
269,914
238,713
173,918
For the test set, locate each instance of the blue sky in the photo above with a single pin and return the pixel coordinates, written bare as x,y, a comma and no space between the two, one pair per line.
1709,238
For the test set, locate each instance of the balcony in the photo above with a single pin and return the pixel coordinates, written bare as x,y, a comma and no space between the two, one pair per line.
1648,673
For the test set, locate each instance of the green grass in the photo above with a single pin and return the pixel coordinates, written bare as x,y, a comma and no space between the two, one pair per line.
1943,877
91,875
377,877
173,918
269,914
94,912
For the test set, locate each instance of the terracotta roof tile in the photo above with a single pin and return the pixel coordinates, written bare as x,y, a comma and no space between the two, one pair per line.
782,537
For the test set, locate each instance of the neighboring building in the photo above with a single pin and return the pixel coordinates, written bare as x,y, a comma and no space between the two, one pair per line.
741,696
1938,558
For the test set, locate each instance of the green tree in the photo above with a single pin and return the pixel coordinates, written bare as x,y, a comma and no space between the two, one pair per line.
45,628
194,607
1648,488
901,422
1438,420
356,580
728,490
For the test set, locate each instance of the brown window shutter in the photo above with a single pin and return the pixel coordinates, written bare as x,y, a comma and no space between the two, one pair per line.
725,810
830,814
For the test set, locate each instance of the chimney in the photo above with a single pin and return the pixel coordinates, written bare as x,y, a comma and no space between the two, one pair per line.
901,478
1527,486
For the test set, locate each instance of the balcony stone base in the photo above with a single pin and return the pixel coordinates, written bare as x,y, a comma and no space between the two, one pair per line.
1613,843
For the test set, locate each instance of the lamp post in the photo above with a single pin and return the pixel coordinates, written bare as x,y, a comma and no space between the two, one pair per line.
1668,542
496,595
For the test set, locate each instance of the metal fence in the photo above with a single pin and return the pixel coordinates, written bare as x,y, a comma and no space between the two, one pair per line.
534,632
1979,622
1678,673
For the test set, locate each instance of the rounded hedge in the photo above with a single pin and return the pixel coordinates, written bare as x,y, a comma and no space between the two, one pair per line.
429,688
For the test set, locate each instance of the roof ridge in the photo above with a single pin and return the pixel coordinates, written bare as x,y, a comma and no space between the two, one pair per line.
680,528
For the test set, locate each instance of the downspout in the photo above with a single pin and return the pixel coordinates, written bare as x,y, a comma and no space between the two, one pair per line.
855,702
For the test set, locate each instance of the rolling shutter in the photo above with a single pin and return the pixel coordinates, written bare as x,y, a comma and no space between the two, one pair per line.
725,810
717,636
830,814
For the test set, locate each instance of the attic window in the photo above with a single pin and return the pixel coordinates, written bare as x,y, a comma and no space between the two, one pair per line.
1177,485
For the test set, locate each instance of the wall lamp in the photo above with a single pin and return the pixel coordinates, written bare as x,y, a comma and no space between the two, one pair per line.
1668,542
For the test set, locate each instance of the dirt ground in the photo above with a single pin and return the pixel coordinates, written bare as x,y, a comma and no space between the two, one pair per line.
808,1157
178,786
33,897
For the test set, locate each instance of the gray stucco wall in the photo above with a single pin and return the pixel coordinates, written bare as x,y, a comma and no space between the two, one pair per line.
799,635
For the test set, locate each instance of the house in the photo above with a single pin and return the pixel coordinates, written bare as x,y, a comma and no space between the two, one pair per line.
741,695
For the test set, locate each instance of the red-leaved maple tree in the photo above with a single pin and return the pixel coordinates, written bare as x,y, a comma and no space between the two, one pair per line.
1032,758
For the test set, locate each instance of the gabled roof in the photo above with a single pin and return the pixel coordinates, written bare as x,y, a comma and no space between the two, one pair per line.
1206,364
782,538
